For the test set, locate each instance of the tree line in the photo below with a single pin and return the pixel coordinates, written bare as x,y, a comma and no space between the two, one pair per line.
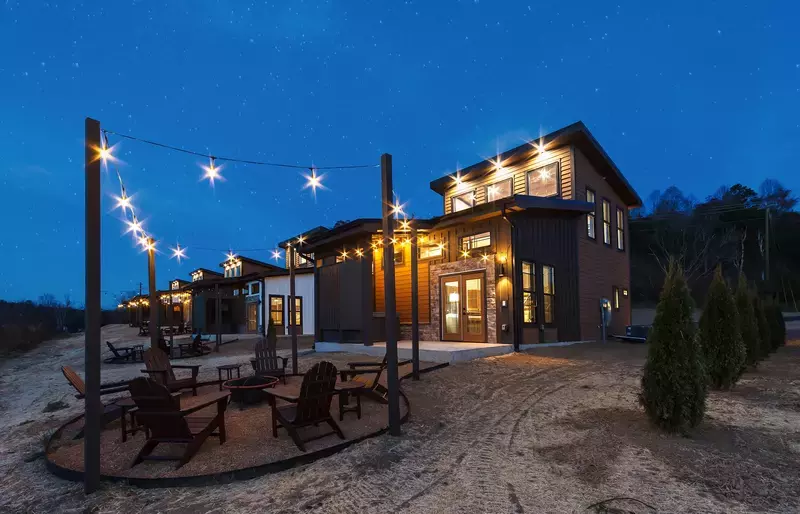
738,229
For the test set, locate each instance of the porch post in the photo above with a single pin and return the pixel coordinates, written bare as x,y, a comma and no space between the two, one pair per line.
366,296
218,317
155,301
170,318
93,313
414,304
292,314
264,308
393,381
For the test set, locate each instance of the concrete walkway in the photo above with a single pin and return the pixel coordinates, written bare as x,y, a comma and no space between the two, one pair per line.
430,351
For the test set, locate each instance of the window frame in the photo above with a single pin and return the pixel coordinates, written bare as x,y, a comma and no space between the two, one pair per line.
487,186
436,246
472,237
256,285
528,174
400,251
298,310
282,311
592,215
620,229
529,291
458,196
606,223
552,295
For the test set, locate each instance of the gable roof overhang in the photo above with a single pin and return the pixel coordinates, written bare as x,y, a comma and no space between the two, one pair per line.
576,134
516,203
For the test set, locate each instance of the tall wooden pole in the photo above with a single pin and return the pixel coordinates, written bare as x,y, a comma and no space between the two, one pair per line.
366,295
414,305
155,302
218,316
392,377
292,314
93,313
766,250
170,318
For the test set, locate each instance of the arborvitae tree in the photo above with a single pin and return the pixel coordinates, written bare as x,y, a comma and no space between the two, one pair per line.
719,335
777,325
748,326
674,381
764,337
272,337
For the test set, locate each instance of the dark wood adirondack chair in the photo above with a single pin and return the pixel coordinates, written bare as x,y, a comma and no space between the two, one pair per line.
369,373
161,370
111,412
267,362
312,407
129,354
160,413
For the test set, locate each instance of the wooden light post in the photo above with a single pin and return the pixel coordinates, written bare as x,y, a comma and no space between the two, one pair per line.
292,314
414,305
93,314
393,381
155,301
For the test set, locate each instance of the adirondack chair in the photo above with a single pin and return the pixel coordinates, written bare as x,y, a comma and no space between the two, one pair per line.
160,413
369,373
111,412
161,370
128,354
311,407
267,361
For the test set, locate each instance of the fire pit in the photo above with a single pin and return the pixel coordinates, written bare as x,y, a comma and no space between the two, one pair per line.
249,390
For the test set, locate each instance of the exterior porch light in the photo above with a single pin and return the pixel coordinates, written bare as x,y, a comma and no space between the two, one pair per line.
502,258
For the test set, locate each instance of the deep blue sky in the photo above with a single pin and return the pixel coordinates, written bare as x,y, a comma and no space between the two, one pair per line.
695,94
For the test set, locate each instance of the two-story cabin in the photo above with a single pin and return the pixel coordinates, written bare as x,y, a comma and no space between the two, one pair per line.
528,246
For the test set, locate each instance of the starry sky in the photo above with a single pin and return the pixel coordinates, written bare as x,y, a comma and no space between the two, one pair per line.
695,94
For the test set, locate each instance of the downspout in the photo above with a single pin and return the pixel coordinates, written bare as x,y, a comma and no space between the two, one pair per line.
516,324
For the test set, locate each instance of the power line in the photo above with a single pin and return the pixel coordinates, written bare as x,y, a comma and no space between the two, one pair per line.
242,161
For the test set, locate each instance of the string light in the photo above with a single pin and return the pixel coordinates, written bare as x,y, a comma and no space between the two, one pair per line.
465,254
212,171
276,254
405,225
344,254
359,252
484,258
124,202
231,256
134,226
178,253
301,239
314,182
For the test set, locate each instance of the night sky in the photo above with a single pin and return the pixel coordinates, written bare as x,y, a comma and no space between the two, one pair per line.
695,94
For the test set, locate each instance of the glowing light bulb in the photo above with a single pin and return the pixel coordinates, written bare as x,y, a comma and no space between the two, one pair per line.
276,254
465,254
178,253
124,202
212,172
134,226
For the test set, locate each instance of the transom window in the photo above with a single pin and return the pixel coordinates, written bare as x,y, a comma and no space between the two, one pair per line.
528,292
464,201
620,229
498,190
482,240
543,181
549,293
591,218
276,309
606,222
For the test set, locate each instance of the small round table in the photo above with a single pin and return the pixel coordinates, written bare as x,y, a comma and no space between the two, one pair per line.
345,389
228,369
128,407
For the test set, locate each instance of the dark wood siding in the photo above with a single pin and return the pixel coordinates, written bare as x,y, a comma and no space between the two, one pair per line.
551,240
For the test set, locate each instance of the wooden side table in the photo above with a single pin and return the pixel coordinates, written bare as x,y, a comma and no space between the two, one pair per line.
345,389
228,369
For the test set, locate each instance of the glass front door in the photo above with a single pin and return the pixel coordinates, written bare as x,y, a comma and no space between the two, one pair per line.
463,307
252,317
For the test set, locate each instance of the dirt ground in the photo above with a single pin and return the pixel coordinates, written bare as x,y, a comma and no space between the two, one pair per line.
553,430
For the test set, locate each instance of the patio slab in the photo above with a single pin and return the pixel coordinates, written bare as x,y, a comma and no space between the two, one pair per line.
430,351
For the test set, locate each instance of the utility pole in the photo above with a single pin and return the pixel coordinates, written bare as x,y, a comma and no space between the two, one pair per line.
155,301
393,381
766,252
93,314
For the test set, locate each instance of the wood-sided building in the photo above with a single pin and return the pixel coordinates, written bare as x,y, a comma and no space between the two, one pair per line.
527,248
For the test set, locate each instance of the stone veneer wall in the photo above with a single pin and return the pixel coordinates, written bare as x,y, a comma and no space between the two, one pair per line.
432,331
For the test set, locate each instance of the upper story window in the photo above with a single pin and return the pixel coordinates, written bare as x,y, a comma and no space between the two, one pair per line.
300,261
431,251
591,218
498,190
606,222
233,269
463,201
620,229
476,241
197,275
544,181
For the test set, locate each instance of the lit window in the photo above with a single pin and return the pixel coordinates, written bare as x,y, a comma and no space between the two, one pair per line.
430,251
399,254
276,310
615,296
549,293
543,181
298,310
463,201
340,258
528,292
620,229
606,222
476,241
498,190
591,218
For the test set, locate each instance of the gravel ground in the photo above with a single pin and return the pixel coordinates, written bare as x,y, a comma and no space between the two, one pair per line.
555,430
